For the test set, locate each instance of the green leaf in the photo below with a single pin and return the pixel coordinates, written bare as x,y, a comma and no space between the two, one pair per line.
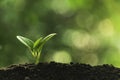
45,40
37,43
41,41
27,42
48,37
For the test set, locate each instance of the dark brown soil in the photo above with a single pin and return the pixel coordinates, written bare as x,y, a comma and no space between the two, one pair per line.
59,71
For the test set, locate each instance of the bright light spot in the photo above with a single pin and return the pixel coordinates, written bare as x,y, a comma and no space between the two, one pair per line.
62,56
60,6
80,39
106,28
90,58
84,40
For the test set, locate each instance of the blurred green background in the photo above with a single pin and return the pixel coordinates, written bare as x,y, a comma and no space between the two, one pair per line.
87,30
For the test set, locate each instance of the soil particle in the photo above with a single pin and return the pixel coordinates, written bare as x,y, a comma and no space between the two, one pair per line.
59,71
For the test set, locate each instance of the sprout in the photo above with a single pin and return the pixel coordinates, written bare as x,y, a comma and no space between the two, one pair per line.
35,47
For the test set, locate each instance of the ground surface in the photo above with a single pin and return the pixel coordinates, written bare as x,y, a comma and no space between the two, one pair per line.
58,71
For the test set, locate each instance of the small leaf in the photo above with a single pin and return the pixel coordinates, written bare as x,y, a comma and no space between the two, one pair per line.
37,43
27,42
48,37
41,41
45,40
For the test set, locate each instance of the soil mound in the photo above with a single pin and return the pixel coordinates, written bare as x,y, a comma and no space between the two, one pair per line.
59,71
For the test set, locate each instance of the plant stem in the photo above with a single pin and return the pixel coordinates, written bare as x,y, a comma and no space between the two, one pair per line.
37,57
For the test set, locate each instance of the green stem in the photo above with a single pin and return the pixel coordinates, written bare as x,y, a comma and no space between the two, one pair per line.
37,57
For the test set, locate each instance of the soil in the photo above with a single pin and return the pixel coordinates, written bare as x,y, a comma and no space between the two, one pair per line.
59,71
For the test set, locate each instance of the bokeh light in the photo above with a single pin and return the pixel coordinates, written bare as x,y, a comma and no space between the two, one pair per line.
62,56
88,31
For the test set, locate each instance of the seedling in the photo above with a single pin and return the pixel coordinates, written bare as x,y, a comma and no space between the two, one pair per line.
35,47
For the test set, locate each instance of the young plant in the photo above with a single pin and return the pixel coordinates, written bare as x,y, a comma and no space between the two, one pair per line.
35,47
